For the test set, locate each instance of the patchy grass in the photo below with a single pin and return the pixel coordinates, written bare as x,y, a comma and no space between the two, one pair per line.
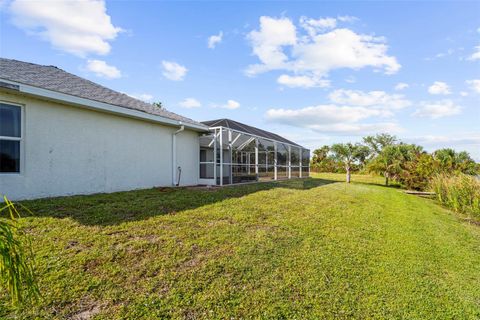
300,249
355,178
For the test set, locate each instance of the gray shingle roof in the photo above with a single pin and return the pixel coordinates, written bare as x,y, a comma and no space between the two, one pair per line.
56,79
235,125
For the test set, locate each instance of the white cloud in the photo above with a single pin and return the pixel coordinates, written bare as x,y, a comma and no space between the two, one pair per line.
463,93
302,81
313,26
474,85
314,53
475,55
190,103
350,79
102,69
444,54
471,138
214,40
321,114
350,19
332,118
142,96
267,43
460,141
401,86
437,109
77,27
447,53
439,87
350,112
231,104
173,71
374,99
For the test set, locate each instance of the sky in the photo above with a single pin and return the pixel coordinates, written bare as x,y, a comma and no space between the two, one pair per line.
315,72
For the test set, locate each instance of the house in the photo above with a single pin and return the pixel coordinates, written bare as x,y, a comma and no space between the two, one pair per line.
61,134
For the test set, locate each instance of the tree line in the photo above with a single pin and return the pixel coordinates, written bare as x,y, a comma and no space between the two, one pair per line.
384,154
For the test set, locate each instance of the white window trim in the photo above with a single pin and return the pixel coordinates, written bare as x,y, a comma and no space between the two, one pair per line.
21,138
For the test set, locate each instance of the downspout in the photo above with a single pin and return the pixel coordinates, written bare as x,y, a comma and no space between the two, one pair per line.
174,153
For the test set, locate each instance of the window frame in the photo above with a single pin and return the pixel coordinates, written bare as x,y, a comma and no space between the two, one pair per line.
20,139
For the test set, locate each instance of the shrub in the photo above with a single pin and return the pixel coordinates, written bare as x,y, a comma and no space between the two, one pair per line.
460,192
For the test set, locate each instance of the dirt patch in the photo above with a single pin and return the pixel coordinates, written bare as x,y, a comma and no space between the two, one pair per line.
166,189
71,244
202,187
86,314
472,221
115,232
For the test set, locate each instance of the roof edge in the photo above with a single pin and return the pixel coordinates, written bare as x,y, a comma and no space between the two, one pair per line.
216,123
97,105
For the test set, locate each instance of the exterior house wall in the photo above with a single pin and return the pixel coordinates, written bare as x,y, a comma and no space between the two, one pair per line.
70,150
188,157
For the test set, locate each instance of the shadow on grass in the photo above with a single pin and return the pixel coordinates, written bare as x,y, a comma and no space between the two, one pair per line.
115,208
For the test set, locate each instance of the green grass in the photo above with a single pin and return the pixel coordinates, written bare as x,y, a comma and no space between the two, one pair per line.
315,248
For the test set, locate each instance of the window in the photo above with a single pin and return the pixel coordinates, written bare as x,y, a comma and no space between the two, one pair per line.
10,138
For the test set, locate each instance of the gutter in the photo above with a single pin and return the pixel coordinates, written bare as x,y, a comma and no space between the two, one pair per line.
174,155
16,87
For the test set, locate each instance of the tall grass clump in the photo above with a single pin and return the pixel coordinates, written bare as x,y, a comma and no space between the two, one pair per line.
17,277
459,192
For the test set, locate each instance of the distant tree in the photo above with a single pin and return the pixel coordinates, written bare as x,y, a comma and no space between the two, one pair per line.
320,154
348,154
387,162
379,141
394,159
158,104
451,161
417,172
363,153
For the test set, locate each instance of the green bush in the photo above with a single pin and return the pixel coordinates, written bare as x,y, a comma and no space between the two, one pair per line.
460,192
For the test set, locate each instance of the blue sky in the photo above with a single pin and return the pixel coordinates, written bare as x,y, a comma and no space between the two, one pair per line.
315,72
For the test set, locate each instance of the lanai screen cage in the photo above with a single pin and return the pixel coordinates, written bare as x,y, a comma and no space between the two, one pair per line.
238,153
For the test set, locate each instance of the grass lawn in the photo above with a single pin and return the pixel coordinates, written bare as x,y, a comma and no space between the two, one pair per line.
315,248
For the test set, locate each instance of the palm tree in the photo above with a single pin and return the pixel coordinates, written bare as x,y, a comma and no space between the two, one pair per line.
387,162
377,142
455,162
392,160
349,154
16,268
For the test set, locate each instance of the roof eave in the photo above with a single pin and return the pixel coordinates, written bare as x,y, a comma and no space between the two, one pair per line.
259,137
13,86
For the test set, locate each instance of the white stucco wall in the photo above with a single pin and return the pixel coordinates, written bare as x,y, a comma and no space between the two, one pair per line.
70,150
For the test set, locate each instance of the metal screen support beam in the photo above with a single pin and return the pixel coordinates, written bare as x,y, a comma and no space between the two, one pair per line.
215,156
210,144
256,157
289,162
236,138
221,156
275,177
243,145
230,143
300,163
266,160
